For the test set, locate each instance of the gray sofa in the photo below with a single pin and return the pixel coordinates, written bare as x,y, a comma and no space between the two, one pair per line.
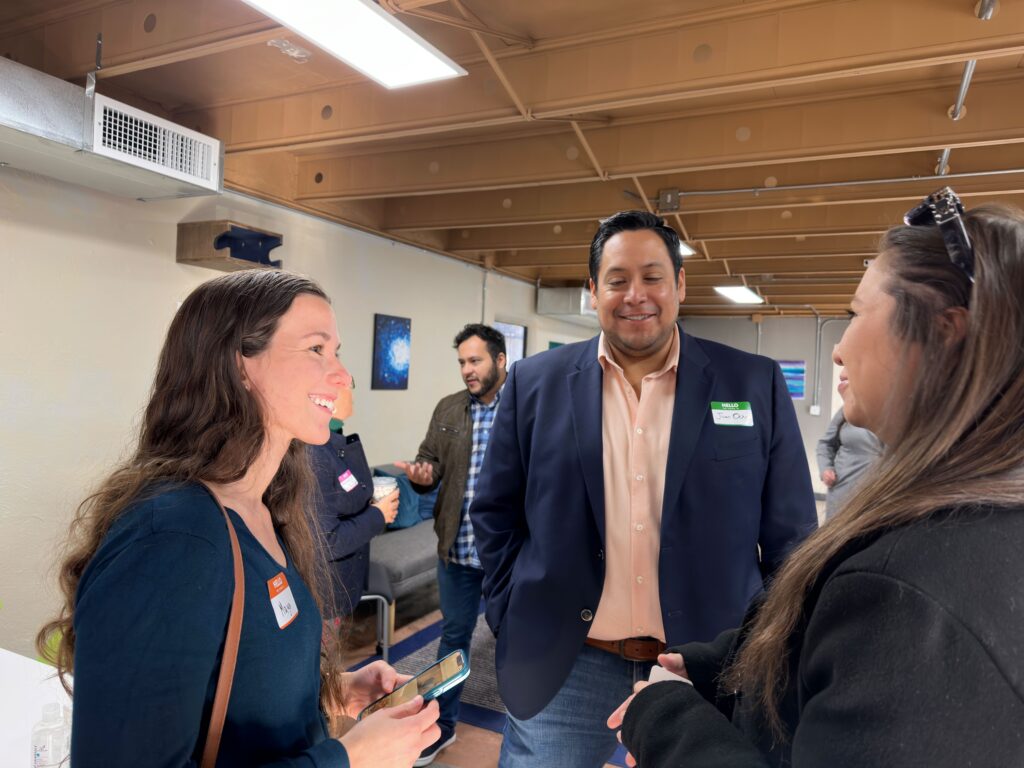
409,555
401,561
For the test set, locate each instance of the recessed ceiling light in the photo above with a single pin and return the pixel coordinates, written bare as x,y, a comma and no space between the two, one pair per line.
739,294
365,37
685,250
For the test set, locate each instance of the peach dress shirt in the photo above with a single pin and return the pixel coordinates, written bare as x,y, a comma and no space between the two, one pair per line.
636,434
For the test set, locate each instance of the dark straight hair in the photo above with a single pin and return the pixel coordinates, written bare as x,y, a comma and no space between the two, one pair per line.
633,221
492,337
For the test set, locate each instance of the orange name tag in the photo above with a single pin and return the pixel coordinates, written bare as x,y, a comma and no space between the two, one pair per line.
282,601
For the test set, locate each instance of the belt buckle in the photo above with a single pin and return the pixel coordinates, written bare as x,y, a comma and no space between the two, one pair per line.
627,656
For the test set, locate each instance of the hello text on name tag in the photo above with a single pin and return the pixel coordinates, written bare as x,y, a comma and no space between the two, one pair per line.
734,414
282,601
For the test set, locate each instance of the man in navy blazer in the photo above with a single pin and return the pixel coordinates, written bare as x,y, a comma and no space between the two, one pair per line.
642,406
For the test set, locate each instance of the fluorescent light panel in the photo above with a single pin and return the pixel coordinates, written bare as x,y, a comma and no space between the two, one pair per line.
685,250
739,293
365,37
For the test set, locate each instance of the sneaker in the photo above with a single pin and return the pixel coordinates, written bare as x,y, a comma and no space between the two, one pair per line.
428,755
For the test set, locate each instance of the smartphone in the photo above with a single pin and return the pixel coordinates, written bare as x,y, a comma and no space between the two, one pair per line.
439,677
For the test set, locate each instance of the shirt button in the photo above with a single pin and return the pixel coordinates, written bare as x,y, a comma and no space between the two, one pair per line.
586,614
639,527
639,630
639,579
639,430
639,478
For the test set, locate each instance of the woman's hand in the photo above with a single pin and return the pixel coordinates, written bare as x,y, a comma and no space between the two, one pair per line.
672,662
828,477
388,506
393,737
616,718
366,685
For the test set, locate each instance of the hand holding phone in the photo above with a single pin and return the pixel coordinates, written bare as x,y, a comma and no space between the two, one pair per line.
441,676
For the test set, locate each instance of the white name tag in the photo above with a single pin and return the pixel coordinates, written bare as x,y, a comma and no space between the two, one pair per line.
347,480
282,601
736,414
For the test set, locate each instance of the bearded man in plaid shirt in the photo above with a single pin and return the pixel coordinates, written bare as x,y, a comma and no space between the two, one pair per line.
453,451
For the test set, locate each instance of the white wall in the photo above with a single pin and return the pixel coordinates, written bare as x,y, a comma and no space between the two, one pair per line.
786,338
88,285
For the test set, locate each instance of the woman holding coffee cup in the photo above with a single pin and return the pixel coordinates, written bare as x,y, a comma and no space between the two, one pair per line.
350,508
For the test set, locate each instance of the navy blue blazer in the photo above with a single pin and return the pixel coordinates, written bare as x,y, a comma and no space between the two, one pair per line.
346,519
539,512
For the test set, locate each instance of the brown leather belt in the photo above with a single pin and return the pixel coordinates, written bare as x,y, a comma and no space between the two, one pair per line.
632,648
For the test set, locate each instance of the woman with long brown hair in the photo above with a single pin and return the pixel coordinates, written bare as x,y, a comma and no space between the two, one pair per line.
247,377
894,636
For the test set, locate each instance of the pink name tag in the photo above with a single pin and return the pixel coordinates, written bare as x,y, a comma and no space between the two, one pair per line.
347,480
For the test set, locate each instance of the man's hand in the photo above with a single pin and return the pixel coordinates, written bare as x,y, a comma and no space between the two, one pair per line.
673,662
420,472
828,477
388,506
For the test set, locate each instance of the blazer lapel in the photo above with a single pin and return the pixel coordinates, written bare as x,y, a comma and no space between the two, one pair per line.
585,397
694,381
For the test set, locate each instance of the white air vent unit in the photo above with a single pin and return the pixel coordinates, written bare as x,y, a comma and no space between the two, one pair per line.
569,304
54,128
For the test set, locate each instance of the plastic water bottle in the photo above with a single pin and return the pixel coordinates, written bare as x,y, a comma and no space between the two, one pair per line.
49,742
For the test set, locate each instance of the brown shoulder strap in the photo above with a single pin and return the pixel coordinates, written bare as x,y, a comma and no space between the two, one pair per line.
227,662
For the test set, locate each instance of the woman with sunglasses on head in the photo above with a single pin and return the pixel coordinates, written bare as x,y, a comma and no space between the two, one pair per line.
894,636
247,377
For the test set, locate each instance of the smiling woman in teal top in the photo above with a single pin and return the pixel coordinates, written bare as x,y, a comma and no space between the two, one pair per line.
247,378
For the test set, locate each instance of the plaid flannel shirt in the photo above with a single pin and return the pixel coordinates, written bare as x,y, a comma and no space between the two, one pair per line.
464,549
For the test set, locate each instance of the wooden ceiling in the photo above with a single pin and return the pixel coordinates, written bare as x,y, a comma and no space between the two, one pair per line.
796,131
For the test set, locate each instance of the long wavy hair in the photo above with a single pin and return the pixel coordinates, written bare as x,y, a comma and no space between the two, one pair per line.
960,443
202,425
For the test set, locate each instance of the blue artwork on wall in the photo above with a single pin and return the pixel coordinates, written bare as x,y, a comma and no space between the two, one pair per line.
392,338
795,374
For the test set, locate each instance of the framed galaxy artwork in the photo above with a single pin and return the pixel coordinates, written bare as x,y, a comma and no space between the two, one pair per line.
392,337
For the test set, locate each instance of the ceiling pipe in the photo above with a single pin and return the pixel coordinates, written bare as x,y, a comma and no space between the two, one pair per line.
986,9
755,308
965,84
837,184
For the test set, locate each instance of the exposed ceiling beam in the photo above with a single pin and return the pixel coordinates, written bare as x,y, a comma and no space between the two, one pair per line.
230,41
137,34
753,229
579,256
857,127
790,44
468,23
824,265
583,202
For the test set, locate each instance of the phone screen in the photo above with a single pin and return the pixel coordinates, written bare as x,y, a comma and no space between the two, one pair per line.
427,683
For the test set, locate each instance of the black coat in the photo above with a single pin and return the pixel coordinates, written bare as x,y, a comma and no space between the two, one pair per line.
346,519
912,654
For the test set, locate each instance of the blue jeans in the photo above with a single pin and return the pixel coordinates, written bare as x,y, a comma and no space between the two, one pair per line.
459,587
570,732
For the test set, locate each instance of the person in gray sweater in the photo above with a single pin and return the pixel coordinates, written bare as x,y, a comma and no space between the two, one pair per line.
844,453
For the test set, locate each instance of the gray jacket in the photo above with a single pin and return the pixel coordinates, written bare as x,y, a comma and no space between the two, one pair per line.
849,451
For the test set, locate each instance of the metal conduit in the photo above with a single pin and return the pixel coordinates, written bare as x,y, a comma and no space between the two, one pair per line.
835,184
816,398
986,10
